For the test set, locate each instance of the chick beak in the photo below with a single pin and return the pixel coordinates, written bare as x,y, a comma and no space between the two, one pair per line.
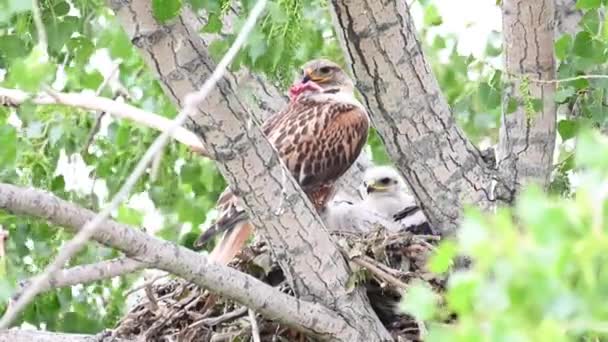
375,187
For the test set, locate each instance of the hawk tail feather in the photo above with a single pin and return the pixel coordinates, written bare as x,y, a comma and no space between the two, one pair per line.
231,243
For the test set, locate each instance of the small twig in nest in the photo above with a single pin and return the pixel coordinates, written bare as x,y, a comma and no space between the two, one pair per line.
151,298
373,266
255,329
148,283
220,319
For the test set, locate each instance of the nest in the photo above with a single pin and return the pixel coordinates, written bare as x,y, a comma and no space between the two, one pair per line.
177,310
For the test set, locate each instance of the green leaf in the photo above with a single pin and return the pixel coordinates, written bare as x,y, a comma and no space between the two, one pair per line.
567,129
563,46
441,260
62,8
165,10
432,16
31,72
129,216
8,141
591,22
489,96
588,4
10,7
512,106
419,301
582,44
214,24
562,95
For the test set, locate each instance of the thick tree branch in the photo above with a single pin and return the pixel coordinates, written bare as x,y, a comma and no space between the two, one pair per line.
527,136
15,335
191,102
444,169
83,274
308,317
15,97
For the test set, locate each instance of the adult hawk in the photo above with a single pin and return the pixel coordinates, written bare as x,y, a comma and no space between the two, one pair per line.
319,135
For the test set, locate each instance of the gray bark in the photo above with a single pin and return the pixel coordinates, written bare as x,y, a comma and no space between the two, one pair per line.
15,335
567,17
311,318
83,274
443,169
527,137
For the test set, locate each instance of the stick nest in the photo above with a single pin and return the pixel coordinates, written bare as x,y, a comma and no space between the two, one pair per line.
177,310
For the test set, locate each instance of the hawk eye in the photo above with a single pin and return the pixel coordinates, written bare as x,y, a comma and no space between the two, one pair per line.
325,70
385,181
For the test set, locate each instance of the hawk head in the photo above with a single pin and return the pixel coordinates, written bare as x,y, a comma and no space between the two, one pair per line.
383,181
321,75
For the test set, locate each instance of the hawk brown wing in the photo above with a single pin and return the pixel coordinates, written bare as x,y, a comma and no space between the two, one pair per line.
318,139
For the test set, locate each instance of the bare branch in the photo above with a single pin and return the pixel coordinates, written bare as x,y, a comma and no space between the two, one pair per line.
255,329
15,97
311,318
20,335
42,40
83,274
192,101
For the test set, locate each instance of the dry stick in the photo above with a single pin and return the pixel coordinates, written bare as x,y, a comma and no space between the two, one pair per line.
97,123
89,273
255,329
14,97
191,103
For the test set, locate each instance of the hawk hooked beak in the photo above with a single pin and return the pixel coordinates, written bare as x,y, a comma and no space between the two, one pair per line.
376,187
310,75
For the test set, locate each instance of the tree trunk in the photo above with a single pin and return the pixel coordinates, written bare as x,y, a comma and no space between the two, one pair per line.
527,136
442,167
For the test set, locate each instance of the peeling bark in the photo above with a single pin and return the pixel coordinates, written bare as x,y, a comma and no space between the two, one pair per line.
443,168
527,137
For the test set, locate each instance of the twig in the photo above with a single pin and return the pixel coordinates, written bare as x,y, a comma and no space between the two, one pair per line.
14,97
97,124
370,265
144,285
88,273
220,319
192,101
3,237
39,27
255,329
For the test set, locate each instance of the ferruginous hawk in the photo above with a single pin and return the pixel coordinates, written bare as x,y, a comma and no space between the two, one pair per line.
318,136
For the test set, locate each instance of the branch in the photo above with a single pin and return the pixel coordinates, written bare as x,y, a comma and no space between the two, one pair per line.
527,136
443,168
19,335
83,274
42,39
307,317
15,97
192,101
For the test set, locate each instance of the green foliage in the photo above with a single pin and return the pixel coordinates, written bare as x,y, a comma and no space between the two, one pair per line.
538,270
